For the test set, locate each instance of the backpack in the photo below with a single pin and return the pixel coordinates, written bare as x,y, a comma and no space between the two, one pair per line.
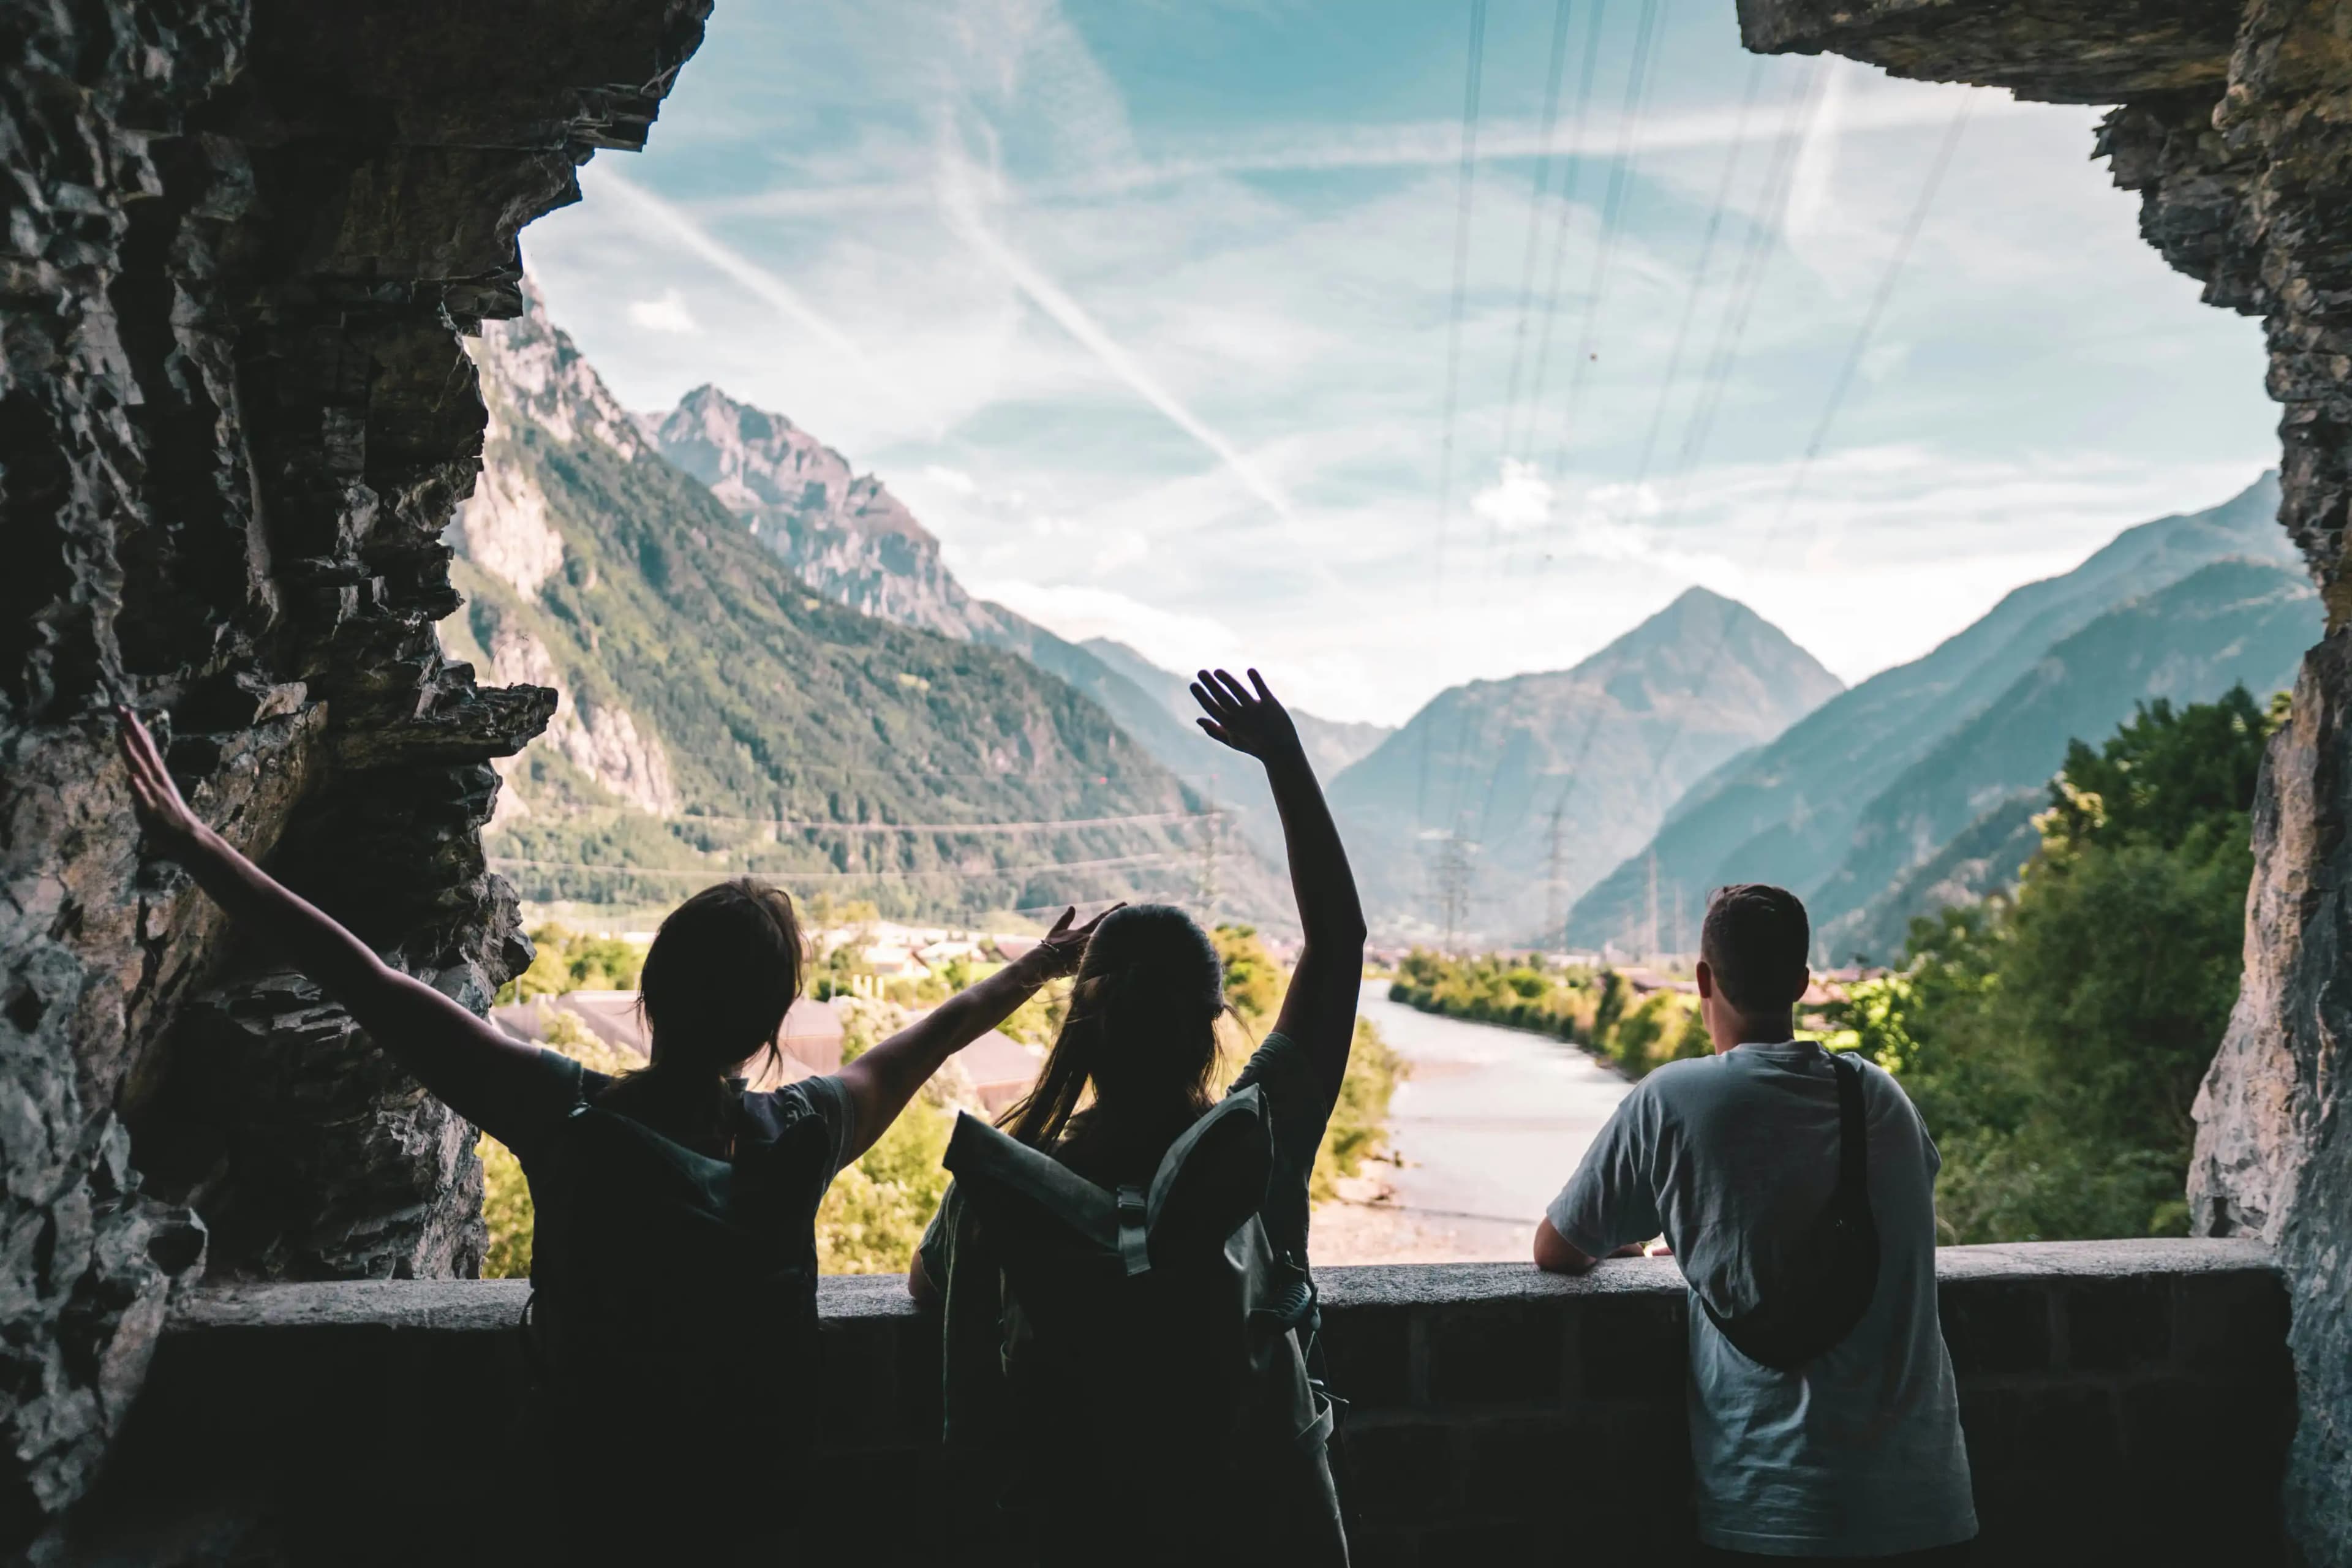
1155,1330
674,1298
1831,1269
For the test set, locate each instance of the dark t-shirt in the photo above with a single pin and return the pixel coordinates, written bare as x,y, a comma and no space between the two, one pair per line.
955,1256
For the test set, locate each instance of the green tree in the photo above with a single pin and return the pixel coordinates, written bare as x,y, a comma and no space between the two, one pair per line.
2054,1041
872,1217
563,961
1253,980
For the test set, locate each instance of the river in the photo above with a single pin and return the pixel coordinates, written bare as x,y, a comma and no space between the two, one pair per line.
1487,1127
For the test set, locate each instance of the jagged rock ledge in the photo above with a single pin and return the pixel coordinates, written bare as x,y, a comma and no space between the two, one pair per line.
235,417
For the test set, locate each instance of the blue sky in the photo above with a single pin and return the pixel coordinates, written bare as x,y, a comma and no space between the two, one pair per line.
1148,309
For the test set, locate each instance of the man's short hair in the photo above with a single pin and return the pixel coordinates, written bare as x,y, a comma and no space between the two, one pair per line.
1757,940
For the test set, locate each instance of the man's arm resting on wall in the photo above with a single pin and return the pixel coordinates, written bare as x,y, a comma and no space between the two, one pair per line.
1555,1254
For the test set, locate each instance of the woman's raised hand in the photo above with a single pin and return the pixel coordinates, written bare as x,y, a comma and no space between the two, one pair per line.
1065,944
1252,722
157,799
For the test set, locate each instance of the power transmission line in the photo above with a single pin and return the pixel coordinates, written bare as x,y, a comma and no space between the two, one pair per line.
709,872
1747,282
1212,844
1690,305
1804,103
1640,74
1699,271
1847,371
1878,303
1473,79
1454,886
1761,232
1637,87
1138,819
1555,883
1472,72
1535,215
1567,205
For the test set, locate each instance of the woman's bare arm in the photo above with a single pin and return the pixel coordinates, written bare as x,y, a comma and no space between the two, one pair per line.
885,1078
467,1062
1319,1010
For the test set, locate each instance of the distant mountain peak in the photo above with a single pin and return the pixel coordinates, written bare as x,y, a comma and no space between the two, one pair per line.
1607,745
1701,635
1840,786
842,531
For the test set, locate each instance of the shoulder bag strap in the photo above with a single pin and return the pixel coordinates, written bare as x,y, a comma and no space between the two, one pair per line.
1854,1135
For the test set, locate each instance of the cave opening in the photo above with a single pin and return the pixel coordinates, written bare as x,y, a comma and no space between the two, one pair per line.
249,236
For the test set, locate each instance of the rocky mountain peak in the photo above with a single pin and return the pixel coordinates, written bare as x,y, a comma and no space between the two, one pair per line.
533,366
844,532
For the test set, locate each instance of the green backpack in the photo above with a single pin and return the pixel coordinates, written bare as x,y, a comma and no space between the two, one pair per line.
1155,1324
668,1286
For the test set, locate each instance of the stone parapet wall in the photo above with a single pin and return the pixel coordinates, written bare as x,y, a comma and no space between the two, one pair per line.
2124,1401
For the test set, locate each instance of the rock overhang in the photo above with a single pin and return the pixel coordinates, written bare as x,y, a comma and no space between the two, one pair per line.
2051,51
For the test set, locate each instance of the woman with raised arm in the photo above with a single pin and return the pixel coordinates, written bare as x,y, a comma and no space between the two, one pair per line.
674,1260
1160,1405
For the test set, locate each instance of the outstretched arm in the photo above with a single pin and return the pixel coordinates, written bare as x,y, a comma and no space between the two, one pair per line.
1319,1010
465,1061
881,1081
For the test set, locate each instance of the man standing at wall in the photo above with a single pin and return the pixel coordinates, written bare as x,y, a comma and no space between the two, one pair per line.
1798,1194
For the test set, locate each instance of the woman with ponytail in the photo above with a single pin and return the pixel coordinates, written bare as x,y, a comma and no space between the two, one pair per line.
1129,1073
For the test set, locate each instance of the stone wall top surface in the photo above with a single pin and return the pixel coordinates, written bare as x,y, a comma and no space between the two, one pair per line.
482,1305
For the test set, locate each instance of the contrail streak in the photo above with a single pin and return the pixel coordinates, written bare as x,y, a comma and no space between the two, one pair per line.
963,217
759,281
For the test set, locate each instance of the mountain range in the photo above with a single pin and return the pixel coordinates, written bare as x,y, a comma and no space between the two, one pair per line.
765,663
850,539
1921,777
717,715
1458,808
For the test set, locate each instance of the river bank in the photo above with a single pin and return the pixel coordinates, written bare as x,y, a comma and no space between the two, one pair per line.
1488,1126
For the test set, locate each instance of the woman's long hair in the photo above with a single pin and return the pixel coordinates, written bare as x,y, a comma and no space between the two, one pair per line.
718,981
1142,1032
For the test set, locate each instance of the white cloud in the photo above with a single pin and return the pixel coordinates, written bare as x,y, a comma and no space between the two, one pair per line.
954,479
666,314
762,282
1122,549
1433,145
1171,639
1519,500
959,203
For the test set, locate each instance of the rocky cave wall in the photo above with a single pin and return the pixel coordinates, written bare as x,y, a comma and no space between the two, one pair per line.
243,237
2234,124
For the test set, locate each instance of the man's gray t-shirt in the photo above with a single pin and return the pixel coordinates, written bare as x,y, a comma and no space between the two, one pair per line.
1856,1454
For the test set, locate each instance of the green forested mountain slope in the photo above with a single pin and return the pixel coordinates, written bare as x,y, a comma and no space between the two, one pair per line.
1788,812
851,540
2234,623
718,716
1986,858
1609,743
